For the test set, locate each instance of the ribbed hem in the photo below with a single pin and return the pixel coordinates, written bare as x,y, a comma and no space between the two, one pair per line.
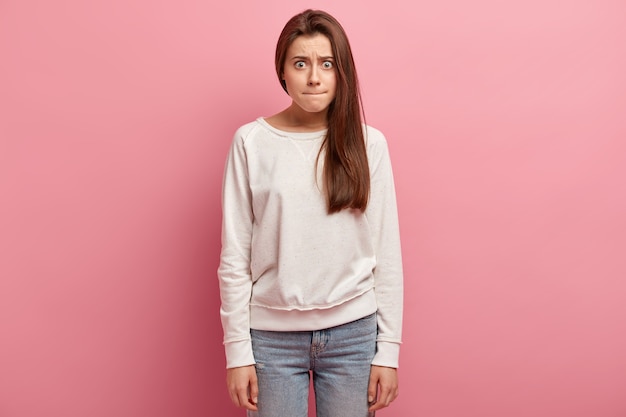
387,354
239,353
263,318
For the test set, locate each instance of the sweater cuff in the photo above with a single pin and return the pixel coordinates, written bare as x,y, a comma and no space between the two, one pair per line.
239,353
387,354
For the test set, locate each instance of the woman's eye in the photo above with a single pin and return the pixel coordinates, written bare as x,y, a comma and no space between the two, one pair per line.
299,64
327,65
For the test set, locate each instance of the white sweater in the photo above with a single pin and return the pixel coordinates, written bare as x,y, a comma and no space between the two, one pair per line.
286,264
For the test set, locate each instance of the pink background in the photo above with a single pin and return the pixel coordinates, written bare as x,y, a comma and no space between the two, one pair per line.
507,127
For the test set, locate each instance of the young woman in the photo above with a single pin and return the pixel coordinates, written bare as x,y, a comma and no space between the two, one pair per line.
310,269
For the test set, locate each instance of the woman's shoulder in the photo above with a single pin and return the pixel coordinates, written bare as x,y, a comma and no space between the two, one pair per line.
374,138
374,133
244,130
253,131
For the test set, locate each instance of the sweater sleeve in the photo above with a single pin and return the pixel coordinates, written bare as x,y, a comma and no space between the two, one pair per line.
382,215
234,270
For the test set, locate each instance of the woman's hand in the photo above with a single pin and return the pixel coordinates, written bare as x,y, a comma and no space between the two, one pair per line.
383,387
242,386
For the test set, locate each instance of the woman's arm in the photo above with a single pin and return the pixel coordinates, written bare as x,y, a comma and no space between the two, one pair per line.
234,269
382,216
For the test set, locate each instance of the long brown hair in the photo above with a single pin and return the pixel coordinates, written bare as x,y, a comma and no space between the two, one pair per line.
346,175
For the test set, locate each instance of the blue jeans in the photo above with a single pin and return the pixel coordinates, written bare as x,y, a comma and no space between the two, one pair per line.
338,358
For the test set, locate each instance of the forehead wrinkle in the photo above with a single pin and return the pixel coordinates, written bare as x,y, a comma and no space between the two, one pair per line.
307,46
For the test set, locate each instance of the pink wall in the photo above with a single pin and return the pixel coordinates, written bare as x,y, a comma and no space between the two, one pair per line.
507,127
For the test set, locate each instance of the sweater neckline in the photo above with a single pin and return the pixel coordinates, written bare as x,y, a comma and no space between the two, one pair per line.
292,135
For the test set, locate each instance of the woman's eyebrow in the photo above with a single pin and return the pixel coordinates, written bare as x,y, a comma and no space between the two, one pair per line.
305,58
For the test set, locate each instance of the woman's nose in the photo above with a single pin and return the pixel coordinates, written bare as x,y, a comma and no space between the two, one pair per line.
313,78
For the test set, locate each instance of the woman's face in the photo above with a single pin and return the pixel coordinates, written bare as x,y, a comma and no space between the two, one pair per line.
309,73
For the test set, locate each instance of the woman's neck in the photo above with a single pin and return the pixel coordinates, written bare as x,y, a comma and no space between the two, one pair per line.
294,119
